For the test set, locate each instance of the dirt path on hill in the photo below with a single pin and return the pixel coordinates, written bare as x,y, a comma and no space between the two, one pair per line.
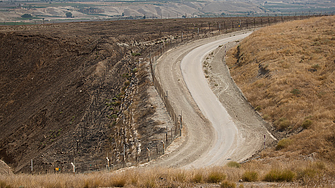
232,135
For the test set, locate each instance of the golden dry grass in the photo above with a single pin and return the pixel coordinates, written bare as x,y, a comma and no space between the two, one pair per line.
307,173
287,73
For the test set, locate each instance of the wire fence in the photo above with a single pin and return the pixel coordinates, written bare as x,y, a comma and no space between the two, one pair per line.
158,147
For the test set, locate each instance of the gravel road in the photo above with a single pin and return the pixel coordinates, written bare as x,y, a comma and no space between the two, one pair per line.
211,136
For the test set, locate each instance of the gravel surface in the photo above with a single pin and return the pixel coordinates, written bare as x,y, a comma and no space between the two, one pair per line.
208,139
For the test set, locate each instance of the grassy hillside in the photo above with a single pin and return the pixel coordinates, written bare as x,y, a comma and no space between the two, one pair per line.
287,73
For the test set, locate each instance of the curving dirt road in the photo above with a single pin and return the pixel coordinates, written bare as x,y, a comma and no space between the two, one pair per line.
211,136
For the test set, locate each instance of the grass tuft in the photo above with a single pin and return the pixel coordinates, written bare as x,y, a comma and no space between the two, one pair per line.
215,177
283,143
250,176
197,178
279,176
306,124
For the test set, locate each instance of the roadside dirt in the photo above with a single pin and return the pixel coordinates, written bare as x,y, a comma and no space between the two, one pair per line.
252,127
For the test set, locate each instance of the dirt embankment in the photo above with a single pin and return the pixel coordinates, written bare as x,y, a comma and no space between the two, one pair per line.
64,90
287,73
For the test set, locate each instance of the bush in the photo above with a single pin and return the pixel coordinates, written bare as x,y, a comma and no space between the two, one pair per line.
215,177
68,15
283,143
307,123
287,175
227,184
136,54
250,176
233,164
282,123
279,176
26,16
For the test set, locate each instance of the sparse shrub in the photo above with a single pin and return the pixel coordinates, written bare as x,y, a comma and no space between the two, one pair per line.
287,175
279,176
258,108
134,70
215,177
26,16
283,143
307,123
116,103
295,91
316,66
282,124
136,54
197,178
68,15
272,176
114,116
233,164
250,176
228,184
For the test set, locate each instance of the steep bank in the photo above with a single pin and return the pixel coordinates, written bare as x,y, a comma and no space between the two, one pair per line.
63,97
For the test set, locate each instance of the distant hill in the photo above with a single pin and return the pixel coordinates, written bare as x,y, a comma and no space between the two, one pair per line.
55,11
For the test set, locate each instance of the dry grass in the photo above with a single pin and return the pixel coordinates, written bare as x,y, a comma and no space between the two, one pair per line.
312,173
135,177
287,72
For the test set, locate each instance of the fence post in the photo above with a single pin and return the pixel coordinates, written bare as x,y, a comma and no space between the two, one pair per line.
31,166
163,147
148,154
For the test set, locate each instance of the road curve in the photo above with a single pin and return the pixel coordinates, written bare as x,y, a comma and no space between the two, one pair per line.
210,136
225,130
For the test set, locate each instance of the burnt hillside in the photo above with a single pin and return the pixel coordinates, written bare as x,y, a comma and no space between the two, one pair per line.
53,92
